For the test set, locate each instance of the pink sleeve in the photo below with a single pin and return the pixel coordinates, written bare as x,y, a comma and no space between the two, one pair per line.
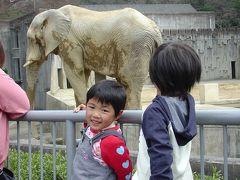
116,155
13,99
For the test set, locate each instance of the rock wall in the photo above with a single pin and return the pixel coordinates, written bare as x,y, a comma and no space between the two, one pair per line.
219,50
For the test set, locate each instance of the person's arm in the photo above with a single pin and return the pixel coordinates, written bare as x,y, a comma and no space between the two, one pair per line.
79,108
13,99
116,155
155,130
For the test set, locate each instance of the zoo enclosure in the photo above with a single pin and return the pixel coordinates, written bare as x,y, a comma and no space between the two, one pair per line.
223,117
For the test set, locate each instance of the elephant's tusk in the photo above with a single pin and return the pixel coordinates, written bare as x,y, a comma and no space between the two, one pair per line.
28,63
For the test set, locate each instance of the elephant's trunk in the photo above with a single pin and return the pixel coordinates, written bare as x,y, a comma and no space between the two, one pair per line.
32,70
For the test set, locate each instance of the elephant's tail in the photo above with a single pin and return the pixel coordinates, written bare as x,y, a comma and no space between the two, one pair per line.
156,44
157,41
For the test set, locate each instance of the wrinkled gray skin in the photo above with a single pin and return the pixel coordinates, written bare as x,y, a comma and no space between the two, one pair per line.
115,43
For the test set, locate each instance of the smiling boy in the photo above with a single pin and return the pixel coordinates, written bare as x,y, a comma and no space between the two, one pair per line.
102,153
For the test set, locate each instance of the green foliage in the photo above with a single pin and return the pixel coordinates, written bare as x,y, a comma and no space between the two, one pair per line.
207,7
216,175
61,165
236,5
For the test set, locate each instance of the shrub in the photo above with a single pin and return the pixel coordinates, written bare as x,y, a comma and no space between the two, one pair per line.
216,175
61,165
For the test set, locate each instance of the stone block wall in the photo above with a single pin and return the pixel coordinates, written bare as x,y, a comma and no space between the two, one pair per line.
219,50
198,20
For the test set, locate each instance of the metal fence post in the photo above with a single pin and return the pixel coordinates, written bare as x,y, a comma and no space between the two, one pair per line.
202,152
225,152
70,145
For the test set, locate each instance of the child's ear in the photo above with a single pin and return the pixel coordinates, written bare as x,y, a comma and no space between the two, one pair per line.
119,114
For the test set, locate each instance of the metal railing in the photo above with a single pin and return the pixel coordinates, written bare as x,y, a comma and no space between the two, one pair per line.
222,117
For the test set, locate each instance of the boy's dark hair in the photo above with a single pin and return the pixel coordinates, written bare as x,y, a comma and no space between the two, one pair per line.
109,92
174,69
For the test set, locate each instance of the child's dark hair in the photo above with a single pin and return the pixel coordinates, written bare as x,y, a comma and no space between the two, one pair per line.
174,69
109,92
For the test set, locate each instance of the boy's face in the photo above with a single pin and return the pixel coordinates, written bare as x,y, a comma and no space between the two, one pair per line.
100,115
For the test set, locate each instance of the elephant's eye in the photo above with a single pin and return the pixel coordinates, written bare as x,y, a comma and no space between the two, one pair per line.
31,39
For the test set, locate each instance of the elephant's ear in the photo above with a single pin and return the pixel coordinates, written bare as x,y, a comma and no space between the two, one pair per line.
55,29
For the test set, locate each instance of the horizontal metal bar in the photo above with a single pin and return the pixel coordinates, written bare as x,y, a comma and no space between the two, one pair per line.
129,116
218,116
53,115
204,117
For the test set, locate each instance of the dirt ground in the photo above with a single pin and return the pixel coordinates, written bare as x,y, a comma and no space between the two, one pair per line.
228,90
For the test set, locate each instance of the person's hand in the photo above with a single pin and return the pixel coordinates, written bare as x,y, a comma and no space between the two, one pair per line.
80,107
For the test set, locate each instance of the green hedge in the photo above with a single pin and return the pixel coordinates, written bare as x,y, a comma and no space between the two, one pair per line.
216,175
61,165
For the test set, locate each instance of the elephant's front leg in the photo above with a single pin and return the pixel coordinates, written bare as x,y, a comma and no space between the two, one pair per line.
79,101
77,79
133,86
134,90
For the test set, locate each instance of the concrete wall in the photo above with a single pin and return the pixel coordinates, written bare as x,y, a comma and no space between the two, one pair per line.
199,20
218,50
43,85
214,142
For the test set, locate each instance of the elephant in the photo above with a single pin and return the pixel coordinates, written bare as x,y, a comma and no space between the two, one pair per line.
116,43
